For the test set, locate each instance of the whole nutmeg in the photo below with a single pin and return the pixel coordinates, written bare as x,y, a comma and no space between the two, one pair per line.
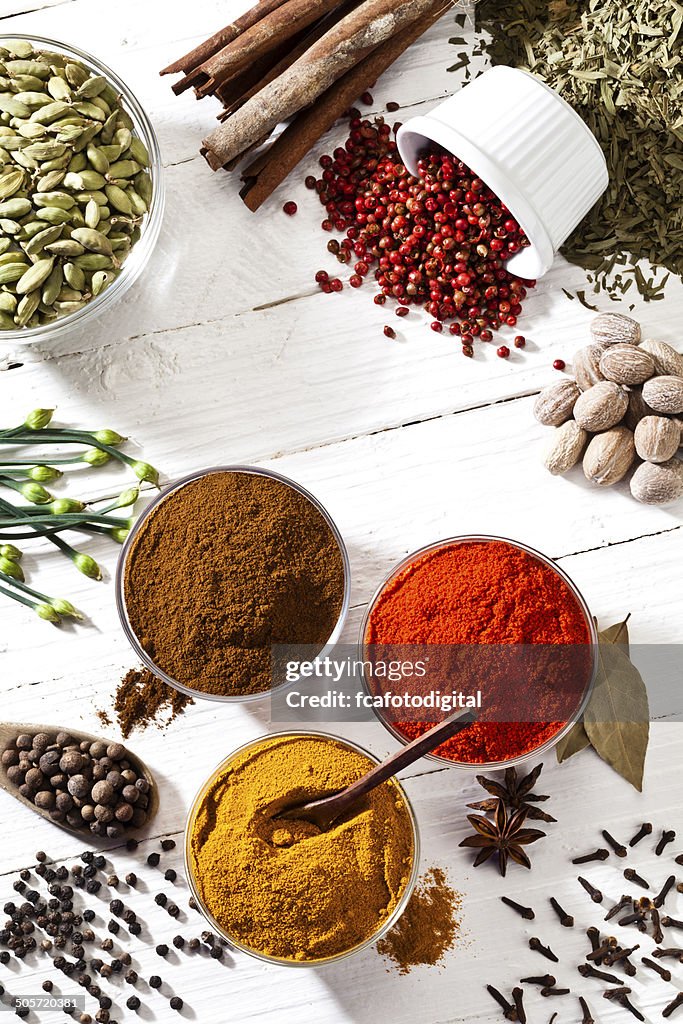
666,359
555,403
609,456
658,483
601,407
664,394
657,439
615,328
566,447
586,365
626,364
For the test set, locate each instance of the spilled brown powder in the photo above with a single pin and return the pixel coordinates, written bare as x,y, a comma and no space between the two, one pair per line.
428,927
142,700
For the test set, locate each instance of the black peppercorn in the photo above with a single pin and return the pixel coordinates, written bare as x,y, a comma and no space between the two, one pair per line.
22,1011
88,915
116,965
113,927
129,916
116,906
105,1002
176,1003
4,957
90,871
99,862
102,1017
113,881
170,875
208,938
192,903
155,981
131,879
216,952
178,941
47,986
173,910
131,977
132,844
161,899
153,859
41,855
25,874
194,944
133,1003
135,928
18,886
162,950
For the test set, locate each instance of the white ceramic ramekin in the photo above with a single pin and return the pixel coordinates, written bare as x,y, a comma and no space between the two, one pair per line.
529,146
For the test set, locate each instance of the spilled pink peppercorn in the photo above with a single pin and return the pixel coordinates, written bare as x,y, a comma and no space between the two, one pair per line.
439,240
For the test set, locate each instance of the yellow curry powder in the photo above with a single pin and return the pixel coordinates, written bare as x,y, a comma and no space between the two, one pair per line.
283,888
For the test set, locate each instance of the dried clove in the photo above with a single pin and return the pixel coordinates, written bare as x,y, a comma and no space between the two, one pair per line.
657,934
668,836
635,918
624,902
525,912
545,951
644,830
566,920
679,859
593,937
550,991
618,848
507,1008
544,980
605,947
671,922
631,875
621,996
654,966
673,1005
588,971
673,953
587,1016
600,854
594,893
518,997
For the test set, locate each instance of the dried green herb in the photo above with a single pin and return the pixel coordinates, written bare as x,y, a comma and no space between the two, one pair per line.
618,65
616,720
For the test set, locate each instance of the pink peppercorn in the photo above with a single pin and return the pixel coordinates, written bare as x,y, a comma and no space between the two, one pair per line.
290,208
503,352
520,341
559,364
389,331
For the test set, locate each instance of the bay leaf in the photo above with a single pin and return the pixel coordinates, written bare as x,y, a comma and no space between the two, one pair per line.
575,741
617,718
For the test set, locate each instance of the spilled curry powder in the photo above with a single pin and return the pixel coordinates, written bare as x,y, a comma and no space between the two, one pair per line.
428,927
282,888
223,568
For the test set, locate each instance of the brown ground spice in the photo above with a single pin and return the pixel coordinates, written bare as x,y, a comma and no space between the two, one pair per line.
142,698
282,887
427,928
225,567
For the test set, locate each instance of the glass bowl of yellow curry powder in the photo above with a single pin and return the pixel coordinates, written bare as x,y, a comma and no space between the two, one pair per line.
282,890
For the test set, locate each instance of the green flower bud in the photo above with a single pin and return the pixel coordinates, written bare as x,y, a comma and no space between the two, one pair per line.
38,419
47,612
36,494
128,497
9,551
62,506
110,437
11,568
119,534
64,607
96,457
88,566
145,472
44,474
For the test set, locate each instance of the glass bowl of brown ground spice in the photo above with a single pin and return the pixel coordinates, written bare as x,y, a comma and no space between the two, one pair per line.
223,566
282,891
493,615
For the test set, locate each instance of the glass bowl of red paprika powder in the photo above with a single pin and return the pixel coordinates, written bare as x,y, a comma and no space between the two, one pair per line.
478,607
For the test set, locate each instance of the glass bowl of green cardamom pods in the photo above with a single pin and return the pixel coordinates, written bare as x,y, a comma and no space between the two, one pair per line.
81,189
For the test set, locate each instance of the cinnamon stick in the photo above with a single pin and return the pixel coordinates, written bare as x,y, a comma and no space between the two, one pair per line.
350,41
282,24
216,42
271,168
291,55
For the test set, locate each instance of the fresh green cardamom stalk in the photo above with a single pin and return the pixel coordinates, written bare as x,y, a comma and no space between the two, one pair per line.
75,185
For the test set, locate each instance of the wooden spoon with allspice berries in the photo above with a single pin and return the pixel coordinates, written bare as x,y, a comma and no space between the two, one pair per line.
83,783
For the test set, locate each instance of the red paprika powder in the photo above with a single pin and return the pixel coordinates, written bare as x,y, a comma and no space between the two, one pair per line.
491,592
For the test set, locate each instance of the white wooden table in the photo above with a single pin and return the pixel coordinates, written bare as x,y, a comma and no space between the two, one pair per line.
226,352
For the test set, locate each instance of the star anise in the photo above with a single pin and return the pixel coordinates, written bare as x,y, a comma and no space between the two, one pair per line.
504,835
515,793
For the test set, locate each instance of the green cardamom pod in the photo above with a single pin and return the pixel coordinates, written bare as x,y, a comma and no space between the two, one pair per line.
65,247
75,277
59,89
97,159
27,67
18,47
53,215
10,105
118,199
53,285
45,150
100,280
33,100
34,277
31,130
138,152
11,182
8,302
124,169
43,237
92,214
47,182
76,75
93,240
60,199
93,261
91,87
90,110
27,307
12,272
15,208
51,112
13,257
